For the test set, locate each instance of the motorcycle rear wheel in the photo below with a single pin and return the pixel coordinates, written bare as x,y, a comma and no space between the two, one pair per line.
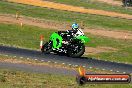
47,47
71,52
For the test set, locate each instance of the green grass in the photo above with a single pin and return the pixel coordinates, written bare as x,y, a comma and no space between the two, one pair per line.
91,21
124,53
20,79
28,37
95,5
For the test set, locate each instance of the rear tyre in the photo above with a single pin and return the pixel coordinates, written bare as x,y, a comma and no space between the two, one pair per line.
76,50
47,47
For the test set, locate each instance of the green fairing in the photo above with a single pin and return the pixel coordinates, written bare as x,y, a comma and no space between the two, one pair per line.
83,38
53,38
57,44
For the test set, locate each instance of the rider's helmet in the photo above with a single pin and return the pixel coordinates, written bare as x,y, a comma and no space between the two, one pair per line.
75,26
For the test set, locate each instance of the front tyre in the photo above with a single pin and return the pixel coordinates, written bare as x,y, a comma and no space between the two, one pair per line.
47,47
76,50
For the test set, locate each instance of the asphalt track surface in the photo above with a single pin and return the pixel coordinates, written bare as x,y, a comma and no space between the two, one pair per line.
37,69
83,61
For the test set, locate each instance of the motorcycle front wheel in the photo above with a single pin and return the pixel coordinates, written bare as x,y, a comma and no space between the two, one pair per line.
76,50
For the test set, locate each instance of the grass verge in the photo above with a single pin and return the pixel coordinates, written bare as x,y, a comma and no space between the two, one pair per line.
20,79
91,21
27,36
123,53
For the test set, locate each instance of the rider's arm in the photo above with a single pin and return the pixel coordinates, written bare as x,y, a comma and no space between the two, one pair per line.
62,32
72,32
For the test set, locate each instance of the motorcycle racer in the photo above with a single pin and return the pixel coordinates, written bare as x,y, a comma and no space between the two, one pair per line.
75,31
70,42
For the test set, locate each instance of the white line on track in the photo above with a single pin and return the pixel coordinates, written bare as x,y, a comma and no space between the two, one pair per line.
42,60
49,61
90,67
84,66
103,69
117,71
124,72
55,62
63,63
76,65
21,57
36,59
111,70
6,55
14,56
69,64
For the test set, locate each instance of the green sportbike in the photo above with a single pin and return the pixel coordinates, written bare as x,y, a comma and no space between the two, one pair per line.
63,43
